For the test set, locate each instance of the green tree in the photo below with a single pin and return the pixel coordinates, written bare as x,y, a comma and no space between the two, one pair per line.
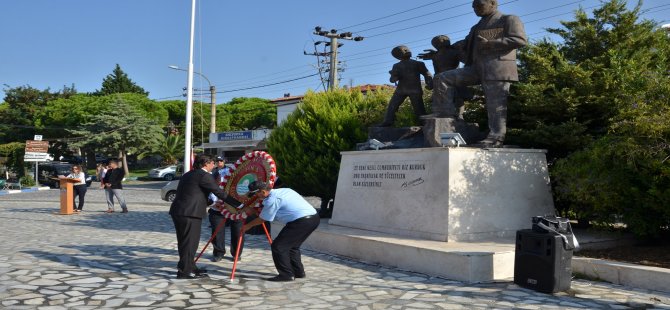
307,145
248,113
61,116
17,113
600,98
14,152
568,94
124,127
200,119
169,147
119,82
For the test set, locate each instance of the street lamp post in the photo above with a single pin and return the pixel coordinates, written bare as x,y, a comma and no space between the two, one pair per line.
212,97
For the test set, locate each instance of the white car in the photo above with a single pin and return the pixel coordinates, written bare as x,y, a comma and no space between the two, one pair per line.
169,191
167,173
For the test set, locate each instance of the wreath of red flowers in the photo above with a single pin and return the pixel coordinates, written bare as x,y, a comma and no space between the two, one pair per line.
257,165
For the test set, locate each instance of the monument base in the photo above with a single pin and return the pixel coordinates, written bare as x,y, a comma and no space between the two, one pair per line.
394,138
467,262
434,126
442,194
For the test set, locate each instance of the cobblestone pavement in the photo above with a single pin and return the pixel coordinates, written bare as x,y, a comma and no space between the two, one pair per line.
96,260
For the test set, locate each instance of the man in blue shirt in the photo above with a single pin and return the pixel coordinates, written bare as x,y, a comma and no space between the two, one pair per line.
287,206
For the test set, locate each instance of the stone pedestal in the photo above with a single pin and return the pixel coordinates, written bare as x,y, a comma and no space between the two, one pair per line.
386,134
396,138
443,194
434,126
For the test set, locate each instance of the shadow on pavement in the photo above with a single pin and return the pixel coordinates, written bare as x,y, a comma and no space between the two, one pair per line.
149,262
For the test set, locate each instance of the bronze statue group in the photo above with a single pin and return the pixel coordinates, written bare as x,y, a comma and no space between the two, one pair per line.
488,53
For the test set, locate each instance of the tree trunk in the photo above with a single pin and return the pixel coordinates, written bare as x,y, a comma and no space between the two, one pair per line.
90,158
123,156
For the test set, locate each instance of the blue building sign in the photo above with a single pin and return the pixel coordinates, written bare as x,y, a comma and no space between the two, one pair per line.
235,135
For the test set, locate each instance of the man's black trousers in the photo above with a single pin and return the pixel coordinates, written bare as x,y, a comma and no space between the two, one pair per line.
286,247
219,241
188,237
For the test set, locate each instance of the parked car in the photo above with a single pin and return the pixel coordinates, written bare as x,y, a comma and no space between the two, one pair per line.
53,169
72,159
169,191
167,173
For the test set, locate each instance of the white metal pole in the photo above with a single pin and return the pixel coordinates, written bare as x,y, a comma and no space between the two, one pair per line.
189,95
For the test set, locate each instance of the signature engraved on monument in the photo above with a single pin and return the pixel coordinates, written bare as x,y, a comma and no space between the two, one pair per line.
414,182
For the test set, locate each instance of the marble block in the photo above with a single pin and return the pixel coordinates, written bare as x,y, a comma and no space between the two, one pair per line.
434,126
444,194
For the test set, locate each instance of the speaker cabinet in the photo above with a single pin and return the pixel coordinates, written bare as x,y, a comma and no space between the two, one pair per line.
541,262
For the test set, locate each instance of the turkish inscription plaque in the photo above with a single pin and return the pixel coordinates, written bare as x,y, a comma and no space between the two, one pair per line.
390,175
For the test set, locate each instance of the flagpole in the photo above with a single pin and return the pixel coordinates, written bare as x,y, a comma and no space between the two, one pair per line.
189,95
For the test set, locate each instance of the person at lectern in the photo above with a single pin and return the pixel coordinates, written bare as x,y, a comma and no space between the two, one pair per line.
79,187
287,206
188,209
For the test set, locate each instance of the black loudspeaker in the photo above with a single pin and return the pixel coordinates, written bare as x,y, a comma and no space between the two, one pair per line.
541,261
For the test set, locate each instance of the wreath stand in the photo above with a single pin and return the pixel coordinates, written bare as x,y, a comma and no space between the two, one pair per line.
250,163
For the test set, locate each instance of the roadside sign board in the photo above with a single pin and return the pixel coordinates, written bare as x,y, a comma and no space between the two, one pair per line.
37,146
38,138
36,150
35,156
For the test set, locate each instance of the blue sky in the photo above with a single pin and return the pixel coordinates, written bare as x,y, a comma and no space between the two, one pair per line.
238,44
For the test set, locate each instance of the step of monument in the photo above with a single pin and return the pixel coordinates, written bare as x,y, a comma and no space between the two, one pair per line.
471,262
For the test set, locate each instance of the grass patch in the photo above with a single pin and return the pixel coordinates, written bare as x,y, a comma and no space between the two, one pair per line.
138,173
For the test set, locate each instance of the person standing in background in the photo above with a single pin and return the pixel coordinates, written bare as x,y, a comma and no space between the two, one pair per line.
215,217
112,182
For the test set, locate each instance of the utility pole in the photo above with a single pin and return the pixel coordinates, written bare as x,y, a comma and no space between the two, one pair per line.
212,95
333,36
319,62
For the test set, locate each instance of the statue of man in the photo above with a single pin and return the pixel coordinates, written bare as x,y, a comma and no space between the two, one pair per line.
407,73
490,51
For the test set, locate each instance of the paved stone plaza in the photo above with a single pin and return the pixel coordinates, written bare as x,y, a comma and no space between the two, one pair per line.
113,261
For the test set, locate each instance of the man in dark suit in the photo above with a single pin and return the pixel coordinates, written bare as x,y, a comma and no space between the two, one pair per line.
187,211
490,50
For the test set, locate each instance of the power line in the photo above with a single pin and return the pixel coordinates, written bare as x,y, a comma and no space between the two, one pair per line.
424,39
264,75
557,15
429,23
391,15
465,30
332,55
266,85
412,18
251,87
253,82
